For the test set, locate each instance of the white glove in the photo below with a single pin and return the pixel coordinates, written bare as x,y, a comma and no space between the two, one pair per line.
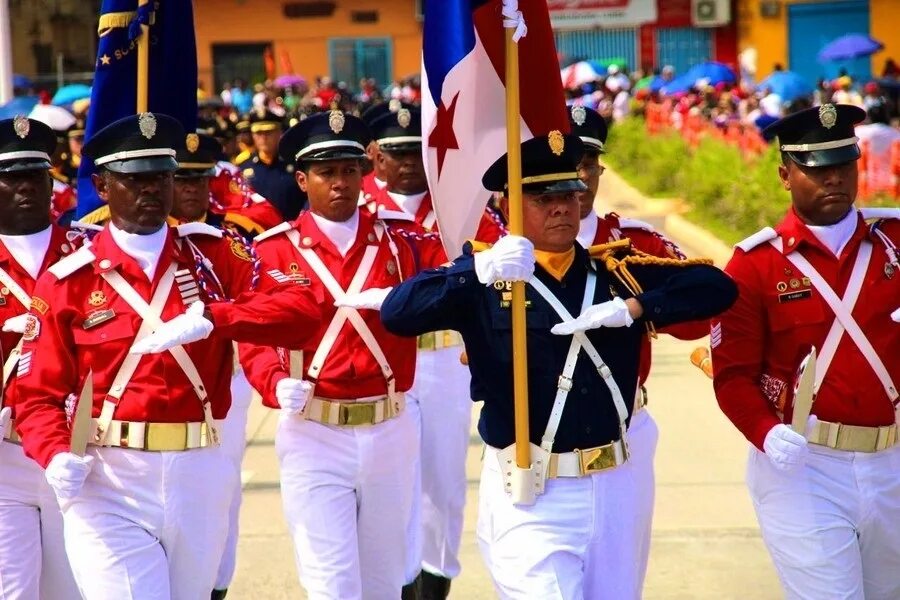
5,415
371,298
613,313
189,327
786,448
66,474
896,316
16,324
292,395
510,259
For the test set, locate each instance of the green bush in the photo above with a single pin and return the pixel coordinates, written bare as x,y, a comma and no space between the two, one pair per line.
731,196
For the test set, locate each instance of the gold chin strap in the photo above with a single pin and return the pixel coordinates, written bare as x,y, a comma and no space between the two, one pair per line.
628,255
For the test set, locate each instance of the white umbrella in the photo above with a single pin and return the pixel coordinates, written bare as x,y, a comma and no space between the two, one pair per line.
55,117
577,74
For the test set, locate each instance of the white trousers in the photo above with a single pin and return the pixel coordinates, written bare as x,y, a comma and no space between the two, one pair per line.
33,563
442,391
149,525
234,441
584,538
347,493
833,528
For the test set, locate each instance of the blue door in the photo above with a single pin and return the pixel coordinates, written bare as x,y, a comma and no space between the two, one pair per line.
599,44
811,26
683,47
351,59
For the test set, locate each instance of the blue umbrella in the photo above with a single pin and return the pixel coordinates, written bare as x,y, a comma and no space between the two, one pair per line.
20,105
787,84
848,46
657,83
681,84
20,81
68,94
712,72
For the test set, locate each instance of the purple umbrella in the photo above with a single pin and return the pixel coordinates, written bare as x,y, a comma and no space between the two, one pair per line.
849,46
289,80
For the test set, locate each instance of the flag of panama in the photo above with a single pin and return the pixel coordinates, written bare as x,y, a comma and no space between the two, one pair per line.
463,101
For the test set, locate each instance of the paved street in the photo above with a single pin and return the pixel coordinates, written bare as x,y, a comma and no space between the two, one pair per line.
706,543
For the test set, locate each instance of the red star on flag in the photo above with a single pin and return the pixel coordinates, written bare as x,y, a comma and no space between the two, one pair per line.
442,137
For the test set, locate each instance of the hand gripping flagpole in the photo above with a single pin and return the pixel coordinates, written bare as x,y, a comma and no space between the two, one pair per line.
515,30
143,63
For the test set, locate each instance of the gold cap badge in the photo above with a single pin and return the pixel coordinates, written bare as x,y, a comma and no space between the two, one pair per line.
394,105
336,121
192,142
557,142
404,117
21,126
579,115
147,124
827,115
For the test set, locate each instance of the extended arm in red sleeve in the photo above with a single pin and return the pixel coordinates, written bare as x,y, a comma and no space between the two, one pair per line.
48,373
263,369
738,351
277,315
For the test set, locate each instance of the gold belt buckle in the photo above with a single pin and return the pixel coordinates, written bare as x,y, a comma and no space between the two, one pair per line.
163,437
596,459
356,413
427,341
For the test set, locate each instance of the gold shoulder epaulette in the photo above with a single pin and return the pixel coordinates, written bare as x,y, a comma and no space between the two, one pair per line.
600,251
59,176
97,216
479,246
619,255
248,225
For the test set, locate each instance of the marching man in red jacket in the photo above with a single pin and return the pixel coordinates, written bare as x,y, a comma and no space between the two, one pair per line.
826,488
33,561
144,316
347,443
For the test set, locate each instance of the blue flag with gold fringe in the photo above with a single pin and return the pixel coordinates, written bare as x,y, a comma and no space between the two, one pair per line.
172,75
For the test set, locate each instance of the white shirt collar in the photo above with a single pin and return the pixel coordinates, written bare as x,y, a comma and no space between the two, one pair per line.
29,250
588,229
380,183
144,248
408,203
835,237
341,234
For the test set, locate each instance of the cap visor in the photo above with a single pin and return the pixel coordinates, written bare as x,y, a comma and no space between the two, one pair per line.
825,158
195,173
333,154
555,187
401,148
154,164
24,165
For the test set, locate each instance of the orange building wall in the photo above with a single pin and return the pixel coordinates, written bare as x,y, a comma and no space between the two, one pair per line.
305,40
770,36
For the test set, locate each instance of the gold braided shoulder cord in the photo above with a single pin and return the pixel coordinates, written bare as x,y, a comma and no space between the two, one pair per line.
619,266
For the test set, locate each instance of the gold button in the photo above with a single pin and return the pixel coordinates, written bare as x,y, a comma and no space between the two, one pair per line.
371,237
307,241
105,263
790,241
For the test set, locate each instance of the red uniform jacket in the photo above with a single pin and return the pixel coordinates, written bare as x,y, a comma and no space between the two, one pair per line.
66,342
10,306
611,227
350,370
490,229
234,200
759,343
370,187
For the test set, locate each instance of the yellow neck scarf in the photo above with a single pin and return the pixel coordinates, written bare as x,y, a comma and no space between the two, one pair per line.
555,263
174,222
